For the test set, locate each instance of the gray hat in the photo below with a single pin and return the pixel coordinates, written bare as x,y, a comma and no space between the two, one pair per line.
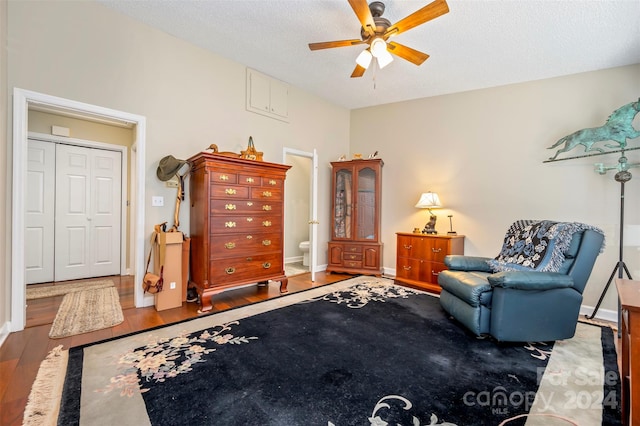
168,167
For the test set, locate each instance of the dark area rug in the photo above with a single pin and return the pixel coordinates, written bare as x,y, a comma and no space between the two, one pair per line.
373,353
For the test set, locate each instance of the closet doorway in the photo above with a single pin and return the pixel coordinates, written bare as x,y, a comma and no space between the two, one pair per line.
74,211
23,102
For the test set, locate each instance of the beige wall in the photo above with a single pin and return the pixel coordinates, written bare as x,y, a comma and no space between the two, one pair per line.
190,97
483,153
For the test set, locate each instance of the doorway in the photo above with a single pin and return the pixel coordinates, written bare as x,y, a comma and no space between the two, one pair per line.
22,101
75,210
298,218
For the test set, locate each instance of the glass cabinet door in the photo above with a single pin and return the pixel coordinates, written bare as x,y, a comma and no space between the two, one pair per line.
343,204
366,206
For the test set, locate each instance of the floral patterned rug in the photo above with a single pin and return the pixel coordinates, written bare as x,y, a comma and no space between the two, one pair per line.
361,351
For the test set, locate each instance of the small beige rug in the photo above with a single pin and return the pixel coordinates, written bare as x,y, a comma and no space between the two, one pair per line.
292,269
87,310
60,289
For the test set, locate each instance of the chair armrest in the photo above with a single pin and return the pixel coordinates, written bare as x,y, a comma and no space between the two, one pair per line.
458,262
523,280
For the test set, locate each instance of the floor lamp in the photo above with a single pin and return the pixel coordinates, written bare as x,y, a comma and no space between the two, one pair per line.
622,176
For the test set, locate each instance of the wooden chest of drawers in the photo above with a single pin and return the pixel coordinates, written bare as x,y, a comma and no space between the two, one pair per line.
236,224
420,257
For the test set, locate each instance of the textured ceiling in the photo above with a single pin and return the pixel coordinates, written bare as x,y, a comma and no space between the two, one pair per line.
478,44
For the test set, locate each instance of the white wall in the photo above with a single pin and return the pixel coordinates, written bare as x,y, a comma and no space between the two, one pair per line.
483,153
191,98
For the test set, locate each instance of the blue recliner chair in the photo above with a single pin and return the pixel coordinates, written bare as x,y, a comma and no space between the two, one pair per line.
532,291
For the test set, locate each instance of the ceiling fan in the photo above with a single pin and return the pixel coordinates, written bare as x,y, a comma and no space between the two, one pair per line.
376,30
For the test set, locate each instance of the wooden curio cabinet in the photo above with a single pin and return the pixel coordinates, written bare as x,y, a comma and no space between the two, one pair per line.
355,245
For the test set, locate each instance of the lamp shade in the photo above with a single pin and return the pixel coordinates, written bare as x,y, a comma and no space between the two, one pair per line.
429,200
364,59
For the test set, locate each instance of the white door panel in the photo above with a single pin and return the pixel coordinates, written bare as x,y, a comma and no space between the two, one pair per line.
39,212
88,187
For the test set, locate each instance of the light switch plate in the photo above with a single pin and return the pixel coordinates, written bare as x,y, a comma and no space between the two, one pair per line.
157,201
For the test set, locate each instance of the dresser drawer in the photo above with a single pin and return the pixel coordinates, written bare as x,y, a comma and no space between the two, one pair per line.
249,179
222,271
352,256
408,268
262,193
233,245
271,182
229,191
223,176
347,248
245,224
226,207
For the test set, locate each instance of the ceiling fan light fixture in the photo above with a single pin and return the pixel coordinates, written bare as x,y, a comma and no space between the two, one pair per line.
378,47
364,59
384,59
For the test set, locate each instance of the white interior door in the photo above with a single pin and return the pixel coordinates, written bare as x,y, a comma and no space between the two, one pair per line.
39,211
87,228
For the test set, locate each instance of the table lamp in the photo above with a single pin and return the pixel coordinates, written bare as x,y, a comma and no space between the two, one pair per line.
429,200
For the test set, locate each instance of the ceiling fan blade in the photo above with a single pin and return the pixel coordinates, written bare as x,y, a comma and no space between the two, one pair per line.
338,43
361,8
411,55
419,17
358,71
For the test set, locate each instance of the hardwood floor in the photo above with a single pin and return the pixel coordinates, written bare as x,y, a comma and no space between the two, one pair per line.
22,352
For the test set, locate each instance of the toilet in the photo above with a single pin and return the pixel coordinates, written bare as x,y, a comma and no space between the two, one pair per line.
304,247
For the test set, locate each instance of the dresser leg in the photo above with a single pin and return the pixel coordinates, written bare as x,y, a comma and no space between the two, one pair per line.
283,285
205,301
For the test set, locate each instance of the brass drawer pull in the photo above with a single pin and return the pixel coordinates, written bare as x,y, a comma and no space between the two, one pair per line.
352,257
249,219
408,246
266,208
229,224
230,245
229,206
406,268
249,259
266,223
353,249
266,265
249,203
230,191
224,177
249,237
266,193
272,182
266,242
230,270
250,180
436,250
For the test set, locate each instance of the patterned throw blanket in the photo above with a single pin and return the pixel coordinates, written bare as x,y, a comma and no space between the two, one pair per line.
531,245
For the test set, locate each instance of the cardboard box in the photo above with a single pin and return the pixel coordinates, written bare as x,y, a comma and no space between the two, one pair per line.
171,294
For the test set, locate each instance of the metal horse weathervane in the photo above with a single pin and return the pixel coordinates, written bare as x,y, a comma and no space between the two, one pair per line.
618,128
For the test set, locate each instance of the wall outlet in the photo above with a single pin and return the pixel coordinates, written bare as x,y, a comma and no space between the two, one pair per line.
157,201
172,285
